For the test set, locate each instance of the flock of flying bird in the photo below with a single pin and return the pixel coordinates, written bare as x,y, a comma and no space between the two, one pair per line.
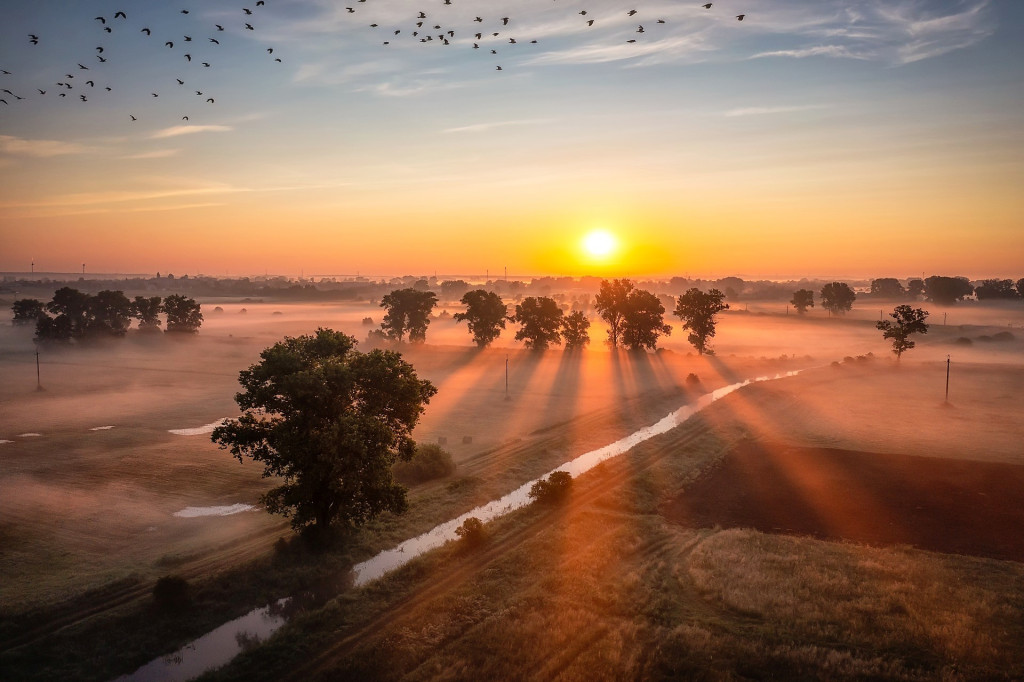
93,80
420,28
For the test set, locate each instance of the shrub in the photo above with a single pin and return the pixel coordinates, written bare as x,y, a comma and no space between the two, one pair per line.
430,461
367,321
472,532
171,593
692,379
553,489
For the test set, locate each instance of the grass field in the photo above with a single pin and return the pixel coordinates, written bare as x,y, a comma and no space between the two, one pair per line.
614,584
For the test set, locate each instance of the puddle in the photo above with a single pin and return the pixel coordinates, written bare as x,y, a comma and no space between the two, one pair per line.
29,435
192,512
520,497
101,428
218,647
213,649
199,430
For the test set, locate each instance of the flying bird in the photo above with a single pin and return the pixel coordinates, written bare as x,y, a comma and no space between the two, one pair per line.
133,118
83,67
101,20
247,11
739,17
184,118
249,27
219,27
184,11
707,6
214,40
120,14
146,31
180,82
210,100
169,44
33,39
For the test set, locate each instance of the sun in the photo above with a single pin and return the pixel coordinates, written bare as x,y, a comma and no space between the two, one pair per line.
600,244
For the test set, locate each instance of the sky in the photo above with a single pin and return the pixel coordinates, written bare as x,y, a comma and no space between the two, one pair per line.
812,138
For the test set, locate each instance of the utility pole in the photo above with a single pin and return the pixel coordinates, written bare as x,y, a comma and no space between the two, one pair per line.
39,383
947,380
507,397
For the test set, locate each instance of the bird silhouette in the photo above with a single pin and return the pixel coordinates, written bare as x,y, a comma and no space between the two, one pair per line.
739,17
133,118
707,6
120,14
146,31
210,100
101,20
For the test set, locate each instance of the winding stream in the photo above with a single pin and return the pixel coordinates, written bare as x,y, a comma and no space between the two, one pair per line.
219,646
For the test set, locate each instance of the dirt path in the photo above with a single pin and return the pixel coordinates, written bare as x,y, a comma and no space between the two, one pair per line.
942,505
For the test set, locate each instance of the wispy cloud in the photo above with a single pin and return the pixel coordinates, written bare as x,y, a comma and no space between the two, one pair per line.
17,146
155,154
175,131
483,127
816,51
762,111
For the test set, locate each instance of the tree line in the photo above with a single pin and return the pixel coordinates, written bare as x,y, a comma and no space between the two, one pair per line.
75,316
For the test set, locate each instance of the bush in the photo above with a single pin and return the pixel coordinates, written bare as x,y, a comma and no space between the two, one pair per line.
430,461
367,321
472,532
553,489
692,379
171,593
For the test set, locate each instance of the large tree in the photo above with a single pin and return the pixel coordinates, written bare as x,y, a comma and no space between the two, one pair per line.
575,330
27,311
837,297
610,304
70,308
485,315
905,321
644,321
697,310
802,299
947,290
915,288
540,321
995,289
110,314
408,312
887,287
147,310
183,314
330,421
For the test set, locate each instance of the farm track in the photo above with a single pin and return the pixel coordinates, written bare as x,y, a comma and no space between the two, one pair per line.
592,485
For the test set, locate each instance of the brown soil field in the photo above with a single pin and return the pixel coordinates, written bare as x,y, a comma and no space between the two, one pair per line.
941,505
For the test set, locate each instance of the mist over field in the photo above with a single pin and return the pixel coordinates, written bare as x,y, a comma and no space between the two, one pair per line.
122,485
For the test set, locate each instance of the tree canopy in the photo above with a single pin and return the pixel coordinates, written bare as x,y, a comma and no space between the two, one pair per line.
575,330
906,320
887,287
540,321
27,311
995,289
643,320
837,297
610,304
330,421
947,290
802,299
408,312
697,310
183,314
485,315
147,310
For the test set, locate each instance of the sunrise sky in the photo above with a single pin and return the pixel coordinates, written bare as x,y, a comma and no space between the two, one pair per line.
826,138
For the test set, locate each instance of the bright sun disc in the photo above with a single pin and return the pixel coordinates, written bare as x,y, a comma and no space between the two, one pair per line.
599,243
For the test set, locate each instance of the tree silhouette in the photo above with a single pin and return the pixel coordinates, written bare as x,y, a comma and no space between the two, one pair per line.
330,421
697,310
802,299
837,297
915,288
485,315
408,311
27,311
147,311
109,314
643,321
887,287
575,330
995,289
610,304
540,320
905,321
183,314
947,290
1020,287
